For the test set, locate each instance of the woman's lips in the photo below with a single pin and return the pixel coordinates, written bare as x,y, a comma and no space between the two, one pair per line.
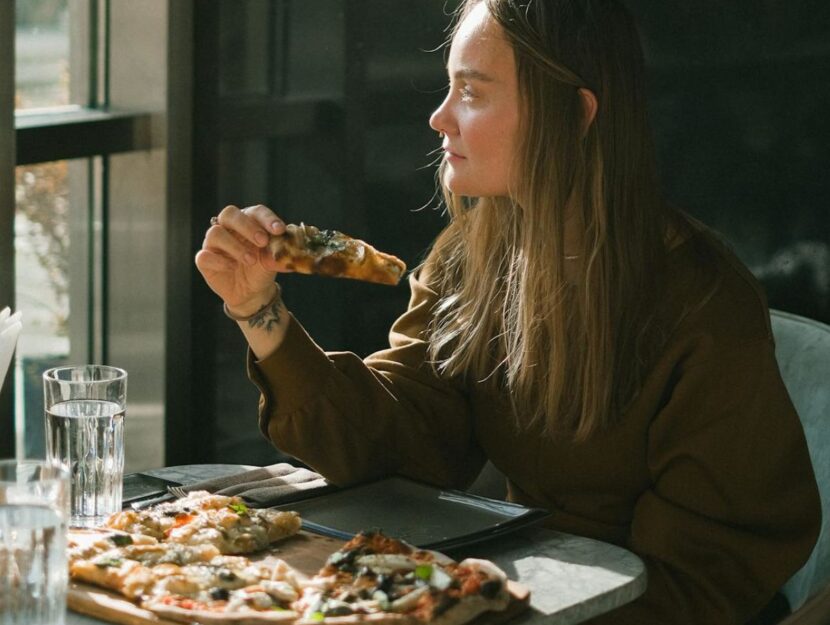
452,156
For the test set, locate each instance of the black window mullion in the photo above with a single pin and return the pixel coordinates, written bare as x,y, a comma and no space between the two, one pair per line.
7,200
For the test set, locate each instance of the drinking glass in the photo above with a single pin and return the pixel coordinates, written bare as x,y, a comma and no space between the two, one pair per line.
34,506
85,409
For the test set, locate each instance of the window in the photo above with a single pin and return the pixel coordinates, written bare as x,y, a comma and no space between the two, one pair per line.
87,184
42,53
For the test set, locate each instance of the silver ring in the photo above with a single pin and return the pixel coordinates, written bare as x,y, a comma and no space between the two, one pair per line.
214,221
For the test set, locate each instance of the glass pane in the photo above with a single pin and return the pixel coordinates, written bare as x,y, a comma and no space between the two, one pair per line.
42,53
244,47
41,240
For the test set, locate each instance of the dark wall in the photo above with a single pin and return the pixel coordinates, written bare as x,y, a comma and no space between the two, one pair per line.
319,109
739,98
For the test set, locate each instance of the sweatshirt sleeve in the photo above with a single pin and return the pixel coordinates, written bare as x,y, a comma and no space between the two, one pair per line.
353,420
734,508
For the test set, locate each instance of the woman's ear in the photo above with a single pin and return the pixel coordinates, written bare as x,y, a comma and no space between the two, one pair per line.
589,107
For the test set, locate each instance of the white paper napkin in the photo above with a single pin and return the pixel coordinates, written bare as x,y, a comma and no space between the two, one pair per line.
10,326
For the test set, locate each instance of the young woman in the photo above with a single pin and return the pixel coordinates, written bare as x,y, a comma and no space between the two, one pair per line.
605,352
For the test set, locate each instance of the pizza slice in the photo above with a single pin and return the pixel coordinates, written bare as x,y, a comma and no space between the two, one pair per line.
230,589
306,249
218,611
201,518
184,582
377,578
83,543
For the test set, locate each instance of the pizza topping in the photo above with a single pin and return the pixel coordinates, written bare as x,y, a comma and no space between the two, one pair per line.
220,594
120,540
106,561
282,591
387,563
189,576
201,518
491,588
317,239
409,600
382,599
239,508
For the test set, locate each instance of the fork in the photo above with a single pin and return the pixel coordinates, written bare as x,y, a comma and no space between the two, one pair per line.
146,503
178,491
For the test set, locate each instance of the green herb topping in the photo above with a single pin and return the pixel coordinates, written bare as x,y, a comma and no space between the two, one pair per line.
239,508
423,571
120,540
325,238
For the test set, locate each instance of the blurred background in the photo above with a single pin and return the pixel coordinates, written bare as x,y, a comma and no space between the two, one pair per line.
126,124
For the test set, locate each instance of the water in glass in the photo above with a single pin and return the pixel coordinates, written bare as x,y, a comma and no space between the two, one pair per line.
86,436
33,569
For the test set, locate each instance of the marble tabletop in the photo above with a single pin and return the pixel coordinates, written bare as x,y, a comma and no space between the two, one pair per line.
571,579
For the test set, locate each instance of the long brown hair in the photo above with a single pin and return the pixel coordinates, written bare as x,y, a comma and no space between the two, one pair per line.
571,356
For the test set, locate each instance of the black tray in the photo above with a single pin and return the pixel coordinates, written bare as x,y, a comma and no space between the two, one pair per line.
425,516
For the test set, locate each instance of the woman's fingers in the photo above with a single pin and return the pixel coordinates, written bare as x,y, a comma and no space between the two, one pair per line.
220,239
254,224
211,262
266,218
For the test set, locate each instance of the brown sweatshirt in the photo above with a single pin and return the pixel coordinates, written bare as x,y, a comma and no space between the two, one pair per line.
707,476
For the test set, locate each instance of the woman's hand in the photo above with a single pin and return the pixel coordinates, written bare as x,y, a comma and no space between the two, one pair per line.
234,259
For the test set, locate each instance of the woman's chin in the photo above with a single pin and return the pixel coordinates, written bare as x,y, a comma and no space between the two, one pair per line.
459,186
462,185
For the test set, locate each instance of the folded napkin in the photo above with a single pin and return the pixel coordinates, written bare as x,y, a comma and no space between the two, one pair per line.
10,326
268,486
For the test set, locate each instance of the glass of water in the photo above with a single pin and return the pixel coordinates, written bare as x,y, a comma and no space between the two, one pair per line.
34,507
85,408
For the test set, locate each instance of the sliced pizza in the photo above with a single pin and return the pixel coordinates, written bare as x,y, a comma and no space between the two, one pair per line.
374,578
222,584
83,543
177,561
201,518
230,589
306,249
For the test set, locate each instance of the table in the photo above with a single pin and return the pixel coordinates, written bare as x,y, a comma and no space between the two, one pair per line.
571,578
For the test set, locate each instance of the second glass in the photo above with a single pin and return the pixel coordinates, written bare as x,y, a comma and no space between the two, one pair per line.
34,502
85,408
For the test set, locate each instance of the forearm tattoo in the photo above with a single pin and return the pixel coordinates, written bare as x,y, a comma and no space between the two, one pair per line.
269,316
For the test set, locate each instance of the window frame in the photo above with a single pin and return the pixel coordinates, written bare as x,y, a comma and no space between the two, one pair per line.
93,131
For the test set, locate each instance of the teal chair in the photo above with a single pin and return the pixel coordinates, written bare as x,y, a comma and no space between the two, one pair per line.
802,348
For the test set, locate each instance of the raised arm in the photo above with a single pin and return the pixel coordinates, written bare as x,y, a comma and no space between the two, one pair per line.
353,419
235,263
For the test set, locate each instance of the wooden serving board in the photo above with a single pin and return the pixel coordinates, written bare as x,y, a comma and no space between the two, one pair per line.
306,552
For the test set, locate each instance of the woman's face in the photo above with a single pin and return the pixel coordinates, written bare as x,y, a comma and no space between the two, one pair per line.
480,115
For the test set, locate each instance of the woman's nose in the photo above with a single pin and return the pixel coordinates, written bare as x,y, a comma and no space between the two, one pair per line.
440,118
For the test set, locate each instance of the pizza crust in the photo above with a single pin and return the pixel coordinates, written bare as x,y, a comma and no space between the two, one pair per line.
206,617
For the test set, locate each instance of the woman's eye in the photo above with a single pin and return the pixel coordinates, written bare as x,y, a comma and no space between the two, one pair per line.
466,93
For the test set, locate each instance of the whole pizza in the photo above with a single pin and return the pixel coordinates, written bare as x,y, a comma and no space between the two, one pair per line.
189,561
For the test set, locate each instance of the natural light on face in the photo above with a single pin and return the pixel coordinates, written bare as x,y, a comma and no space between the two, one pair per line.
480,115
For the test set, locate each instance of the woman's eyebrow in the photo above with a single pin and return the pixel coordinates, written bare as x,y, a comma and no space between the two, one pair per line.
472,74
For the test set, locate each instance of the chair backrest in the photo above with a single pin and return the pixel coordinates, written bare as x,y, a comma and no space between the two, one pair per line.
802,349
